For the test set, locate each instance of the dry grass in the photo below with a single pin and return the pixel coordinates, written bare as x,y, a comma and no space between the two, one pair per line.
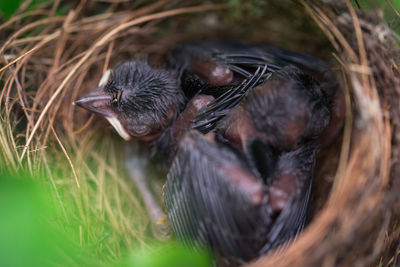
48,60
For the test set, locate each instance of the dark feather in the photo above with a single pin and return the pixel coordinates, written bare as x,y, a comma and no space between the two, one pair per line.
207,119
206,207
292,218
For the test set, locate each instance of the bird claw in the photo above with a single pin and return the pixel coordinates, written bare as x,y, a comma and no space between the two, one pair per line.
161,229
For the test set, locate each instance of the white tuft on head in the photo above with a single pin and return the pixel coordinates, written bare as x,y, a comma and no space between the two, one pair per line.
118,127
105,78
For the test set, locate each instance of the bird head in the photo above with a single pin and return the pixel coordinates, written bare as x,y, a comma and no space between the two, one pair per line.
139,101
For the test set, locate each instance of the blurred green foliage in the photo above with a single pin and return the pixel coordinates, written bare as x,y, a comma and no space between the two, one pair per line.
172,254
29,238
390,15
27,235
8,7
373,4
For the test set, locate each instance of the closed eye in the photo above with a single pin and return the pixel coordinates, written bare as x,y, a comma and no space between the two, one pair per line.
116,98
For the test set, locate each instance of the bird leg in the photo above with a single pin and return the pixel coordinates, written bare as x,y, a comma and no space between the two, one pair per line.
137,163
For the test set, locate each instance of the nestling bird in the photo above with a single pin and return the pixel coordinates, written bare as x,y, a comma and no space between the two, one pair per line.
240,124
137,100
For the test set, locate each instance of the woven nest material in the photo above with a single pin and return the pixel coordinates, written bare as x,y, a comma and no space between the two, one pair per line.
358,223
50,60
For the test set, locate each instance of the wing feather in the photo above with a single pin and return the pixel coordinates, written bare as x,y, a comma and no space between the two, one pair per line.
206,205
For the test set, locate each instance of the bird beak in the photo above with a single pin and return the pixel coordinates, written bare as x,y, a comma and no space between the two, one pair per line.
97,102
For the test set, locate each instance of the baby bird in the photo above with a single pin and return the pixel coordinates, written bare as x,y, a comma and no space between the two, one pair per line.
139,101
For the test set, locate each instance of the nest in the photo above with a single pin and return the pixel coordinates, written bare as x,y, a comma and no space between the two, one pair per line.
48,60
